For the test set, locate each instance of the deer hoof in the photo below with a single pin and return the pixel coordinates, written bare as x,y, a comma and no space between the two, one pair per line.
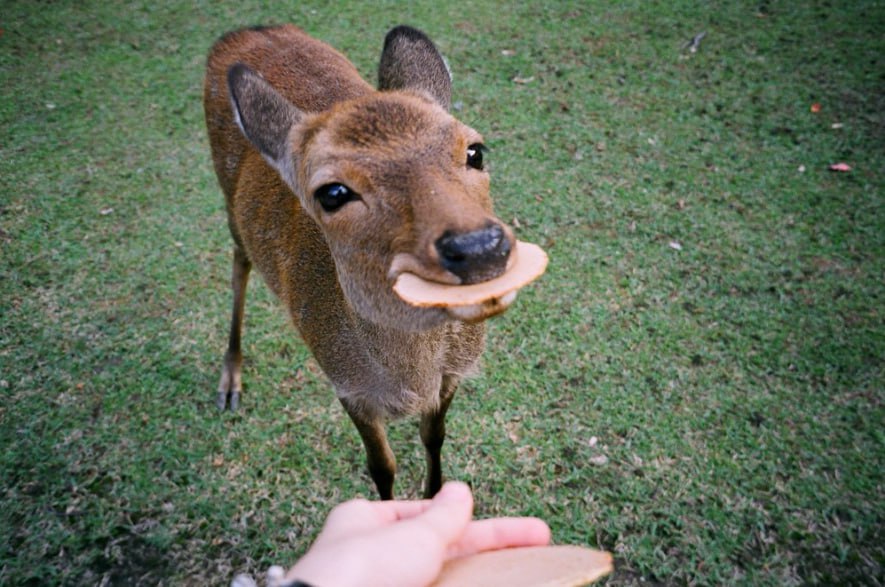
221,400
228,400
229,387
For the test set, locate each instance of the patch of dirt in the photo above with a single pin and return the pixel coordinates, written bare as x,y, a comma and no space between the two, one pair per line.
131,560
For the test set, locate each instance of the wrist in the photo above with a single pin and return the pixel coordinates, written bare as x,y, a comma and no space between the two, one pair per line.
316,569
278,577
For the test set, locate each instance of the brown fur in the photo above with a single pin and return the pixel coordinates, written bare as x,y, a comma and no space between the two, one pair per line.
311,121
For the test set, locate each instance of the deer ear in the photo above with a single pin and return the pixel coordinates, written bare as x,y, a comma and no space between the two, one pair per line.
410,61
264,116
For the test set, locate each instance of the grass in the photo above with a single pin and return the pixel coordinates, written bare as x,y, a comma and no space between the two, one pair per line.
695,385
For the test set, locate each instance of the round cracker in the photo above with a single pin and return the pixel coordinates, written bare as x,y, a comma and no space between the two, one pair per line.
529,264
538,566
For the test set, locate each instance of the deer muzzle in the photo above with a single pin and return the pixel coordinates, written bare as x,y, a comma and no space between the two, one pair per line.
474,256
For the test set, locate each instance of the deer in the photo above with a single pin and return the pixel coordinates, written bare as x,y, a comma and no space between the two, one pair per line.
333,189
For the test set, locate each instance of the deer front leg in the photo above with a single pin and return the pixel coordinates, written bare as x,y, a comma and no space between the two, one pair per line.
433,434
382,463
231,385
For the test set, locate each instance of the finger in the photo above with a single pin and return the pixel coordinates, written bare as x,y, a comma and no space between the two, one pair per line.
427,536
393,511
361,515
449,512
411,550
497,533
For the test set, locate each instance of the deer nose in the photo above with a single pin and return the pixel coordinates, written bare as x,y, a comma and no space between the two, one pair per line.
474,256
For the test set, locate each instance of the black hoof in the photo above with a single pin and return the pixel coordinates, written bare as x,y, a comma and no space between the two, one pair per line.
228,400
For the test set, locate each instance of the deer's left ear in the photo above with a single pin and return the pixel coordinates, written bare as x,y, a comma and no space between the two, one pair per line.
410,61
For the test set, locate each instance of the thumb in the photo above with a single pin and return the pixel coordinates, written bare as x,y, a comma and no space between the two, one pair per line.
450,512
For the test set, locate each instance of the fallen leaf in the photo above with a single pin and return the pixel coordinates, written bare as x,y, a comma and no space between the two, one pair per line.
840,167
816,107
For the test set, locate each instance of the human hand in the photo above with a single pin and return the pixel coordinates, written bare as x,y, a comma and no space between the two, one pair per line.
405,543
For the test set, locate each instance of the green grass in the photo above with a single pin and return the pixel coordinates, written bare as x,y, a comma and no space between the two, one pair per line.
712,415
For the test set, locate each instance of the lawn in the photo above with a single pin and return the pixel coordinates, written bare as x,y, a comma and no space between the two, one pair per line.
696,384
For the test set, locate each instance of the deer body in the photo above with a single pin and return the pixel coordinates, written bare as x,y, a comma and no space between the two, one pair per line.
332,189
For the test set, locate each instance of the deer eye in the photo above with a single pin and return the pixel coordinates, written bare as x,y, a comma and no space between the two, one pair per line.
334,195
474,155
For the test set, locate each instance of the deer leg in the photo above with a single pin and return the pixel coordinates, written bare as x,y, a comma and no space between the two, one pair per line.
382,463
433,434
231,385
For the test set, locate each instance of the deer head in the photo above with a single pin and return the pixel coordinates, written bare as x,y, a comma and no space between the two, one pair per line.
394,182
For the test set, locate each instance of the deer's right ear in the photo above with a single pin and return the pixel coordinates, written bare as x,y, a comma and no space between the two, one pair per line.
410,61
264,116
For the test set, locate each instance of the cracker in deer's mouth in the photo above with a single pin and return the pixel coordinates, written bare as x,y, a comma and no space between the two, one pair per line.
530,263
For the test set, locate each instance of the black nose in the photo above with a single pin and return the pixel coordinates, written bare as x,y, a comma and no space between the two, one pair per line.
474,256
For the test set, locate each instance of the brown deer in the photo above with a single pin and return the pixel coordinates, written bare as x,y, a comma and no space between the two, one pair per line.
333,189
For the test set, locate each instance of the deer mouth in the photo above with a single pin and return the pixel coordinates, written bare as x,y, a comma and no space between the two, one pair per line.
474,301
